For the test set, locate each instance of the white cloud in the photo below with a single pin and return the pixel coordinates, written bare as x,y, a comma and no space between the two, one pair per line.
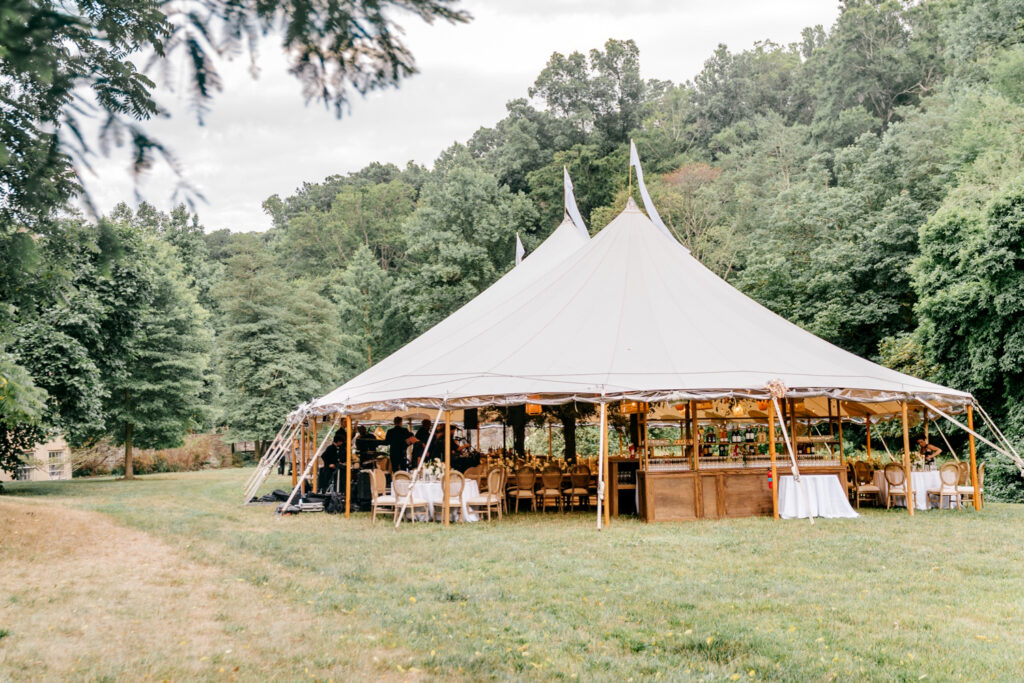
261,139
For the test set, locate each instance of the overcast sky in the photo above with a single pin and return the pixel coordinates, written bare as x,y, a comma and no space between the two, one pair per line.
261,139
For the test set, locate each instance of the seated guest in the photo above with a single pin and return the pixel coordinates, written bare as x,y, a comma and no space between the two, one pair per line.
398,439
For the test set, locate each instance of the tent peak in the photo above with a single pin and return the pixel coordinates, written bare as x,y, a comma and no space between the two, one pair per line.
631,205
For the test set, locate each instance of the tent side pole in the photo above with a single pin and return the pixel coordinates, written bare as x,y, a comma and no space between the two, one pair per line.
316,464
602,456
348,466
771,451
698,485
839,416
867,444
294,475
447,465
607,471
906,460
974,459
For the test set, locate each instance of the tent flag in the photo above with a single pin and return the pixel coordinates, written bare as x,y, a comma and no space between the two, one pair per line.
570,205
520,250
652,213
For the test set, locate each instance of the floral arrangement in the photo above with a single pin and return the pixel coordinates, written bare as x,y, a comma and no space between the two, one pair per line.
433,470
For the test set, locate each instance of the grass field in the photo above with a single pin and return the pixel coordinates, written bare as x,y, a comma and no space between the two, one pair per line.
168,577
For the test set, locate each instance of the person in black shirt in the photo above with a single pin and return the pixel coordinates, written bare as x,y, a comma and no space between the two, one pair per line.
366,447
331,458
398,439
422,435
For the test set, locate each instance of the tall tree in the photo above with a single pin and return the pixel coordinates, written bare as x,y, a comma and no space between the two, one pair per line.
156,395
278,344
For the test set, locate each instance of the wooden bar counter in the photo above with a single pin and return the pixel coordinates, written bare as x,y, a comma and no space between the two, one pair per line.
721,491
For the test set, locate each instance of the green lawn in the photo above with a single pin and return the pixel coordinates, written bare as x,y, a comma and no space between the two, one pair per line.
883,597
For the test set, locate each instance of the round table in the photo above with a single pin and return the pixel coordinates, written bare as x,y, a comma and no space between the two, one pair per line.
920,483
433,492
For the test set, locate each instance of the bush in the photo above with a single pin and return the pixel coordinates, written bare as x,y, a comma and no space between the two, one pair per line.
200,451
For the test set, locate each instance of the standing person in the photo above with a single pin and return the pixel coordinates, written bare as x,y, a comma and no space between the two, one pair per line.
366,447
398,439
422,435
927,451
330,459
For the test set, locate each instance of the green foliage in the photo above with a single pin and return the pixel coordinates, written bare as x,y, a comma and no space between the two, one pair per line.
58,59
461,238
278,344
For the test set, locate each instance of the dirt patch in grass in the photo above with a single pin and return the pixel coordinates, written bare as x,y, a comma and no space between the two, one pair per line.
84,597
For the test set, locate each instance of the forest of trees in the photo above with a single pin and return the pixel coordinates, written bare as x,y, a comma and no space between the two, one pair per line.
866,183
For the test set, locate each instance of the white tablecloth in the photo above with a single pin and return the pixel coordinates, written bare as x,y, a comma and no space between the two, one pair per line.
433,492
920,483
825,494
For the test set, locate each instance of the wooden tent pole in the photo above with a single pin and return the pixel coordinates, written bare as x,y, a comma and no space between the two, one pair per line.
447,465
771,450
304,447
316,465
605,466
348,465
974,459
867,425
839,416
295,477
602,455
906,460
551,452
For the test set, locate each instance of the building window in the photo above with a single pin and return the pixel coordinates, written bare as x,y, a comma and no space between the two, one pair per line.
56,464
56,455
23,473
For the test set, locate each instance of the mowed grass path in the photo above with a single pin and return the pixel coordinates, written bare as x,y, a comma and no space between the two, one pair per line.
883,597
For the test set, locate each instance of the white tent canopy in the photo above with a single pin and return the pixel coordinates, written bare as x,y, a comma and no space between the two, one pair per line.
629,314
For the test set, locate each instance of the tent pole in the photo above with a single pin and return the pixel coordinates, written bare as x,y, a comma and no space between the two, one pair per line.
294,475
607,469
771,451
974,459
948,445
839,416
1011,455
601,456
867,425
447,465
302,453
551,452
906,460
316,465
348,465
794,467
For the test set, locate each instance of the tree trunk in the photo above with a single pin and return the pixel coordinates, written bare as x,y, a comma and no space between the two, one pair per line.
259,447
129,472
569,434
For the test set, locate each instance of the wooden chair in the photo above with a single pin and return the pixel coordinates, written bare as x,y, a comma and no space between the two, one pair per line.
579,486
382,501
851,480
965,473
477,474
456,485
492,497
896,481
401,487
524,482
551,487
864,484
949,476
384,464
967,491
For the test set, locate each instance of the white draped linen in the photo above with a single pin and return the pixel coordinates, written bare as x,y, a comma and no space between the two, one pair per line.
825,498
920,483
433,492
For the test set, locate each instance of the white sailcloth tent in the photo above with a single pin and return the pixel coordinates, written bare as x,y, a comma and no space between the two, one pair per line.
628,315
